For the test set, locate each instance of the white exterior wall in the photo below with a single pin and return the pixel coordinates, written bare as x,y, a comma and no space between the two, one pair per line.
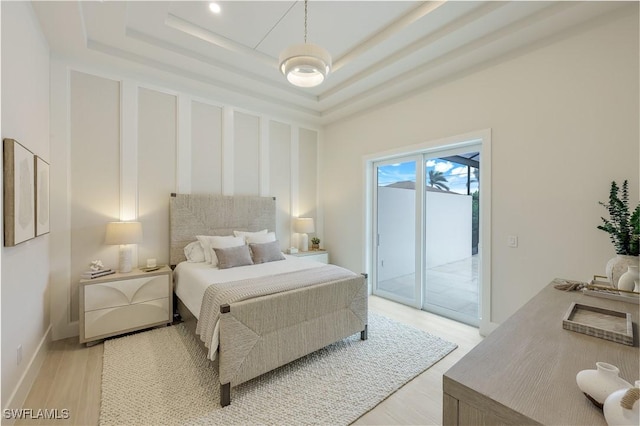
396,230
447,230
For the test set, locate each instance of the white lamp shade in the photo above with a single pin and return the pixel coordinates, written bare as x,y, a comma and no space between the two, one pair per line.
123,233
305,65
304,225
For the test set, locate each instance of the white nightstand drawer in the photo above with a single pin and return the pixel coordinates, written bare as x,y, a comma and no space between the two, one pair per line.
125,292
120,319
315,255
319,257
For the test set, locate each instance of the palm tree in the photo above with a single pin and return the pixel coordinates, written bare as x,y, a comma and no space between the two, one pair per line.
438,180
475,174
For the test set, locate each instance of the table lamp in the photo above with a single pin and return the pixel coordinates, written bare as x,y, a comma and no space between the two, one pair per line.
303,226
124,234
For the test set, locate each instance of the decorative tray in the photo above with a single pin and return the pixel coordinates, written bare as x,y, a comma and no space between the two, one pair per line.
603,289
599,322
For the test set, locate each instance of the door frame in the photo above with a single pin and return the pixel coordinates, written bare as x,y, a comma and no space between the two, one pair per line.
479,137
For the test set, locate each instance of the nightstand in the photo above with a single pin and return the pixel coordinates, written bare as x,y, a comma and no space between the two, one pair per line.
120,303
317,255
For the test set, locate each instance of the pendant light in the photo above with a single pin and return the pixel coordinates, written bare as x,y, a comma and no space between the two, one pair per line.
307,64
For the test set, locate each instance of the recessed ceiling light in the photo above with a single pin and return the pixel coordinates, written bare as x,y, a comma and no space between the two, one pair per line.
214,7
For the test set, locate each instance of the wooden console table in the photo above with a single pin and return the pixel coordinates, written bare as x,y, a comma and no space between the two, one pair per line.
525,371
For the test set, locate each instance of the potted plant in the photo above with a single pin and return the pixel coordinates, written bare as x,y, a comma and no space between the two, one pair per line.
623,228
315,243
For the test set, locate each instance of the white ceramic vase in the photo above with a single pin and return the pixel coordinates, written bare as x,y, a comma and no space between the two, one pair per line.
615,412
628,280
598,384
619,265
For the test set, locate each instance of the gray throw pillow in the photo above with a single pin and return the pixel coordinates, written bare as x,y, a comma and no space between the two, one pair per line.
266,252
233,256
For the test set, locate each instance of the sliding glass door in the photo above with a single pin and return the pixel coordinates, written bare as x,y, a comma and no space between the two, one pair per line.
426,232
397,269
451,231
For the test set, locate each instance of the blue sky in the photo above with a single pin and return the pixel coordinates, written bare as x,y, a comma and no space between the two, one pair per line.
456,174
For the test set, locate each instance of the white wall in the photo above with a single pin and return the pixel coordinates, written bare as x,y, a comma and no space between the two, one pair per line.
447,228
396,232
125,145
564,120
25,267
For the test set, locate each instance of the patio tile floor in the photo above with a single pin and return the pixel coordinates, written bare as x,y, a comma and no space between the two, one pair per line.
453,286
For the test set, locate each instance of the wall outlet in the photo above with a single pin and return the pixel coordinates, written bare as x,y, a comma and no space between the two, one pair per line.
512,241
19,354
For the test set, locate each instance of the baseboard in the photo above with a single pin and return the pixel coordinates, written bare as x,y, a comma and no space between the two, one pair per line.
20,393
66,330
487,327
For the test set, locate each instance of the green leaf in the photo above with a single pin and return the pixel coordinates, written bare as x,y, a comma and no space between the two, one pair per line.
623,228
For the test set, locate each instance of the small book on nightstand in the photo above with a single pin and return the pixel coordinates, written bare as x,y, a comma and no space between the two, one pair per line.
99,273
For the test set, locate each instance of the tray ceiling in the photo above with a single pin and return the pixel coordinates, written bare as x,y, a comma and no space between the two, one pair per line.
381,50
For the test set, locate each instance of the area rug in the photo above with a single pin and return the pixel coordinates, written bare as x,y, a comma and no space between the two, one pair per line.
161,377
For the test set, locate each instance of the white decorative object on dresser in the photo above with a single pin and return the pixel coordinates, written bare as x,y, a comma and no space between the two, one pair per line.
317,255
121,303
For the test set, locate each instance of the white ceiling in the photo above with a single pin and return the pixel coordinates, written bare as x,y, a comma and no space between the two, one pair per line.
381,49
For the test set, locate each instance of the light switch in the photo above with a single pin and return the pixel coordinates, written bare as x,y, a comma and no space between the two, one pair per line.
512,241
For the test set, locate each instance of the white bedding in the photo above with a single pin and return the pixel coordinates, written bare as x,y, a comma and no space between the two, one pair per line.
192,279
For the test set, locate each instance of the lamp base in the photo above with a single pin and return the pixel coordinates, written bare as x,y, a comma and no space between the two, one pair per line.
125,259
304,242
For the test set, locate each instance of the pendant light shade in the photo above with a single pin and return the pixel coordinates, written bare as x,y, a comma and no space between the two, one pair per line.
307,64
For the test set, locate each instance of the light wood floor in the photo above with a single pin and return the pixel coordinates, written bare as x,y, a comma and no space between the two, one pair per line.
71,376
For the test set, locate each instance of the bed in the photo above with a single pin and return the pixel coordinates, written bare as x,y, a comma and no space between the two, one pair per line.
256,318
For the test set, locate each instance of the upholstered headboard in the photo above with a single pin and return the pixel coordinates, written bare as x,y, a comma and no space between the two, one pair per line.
191,215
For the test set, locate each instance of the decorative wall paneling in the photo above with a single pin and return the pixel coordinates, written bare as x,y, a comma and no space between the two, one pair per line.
94,172
130,144
206,149
246,170
157,149
280,177
308,173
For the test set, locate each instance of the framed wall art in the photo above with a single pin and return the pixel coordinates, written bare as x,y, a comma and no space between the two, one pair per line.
42,196
19,200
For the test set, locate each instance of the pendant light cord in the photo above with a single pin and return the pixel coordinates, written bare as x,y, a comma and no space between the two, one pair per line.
305,21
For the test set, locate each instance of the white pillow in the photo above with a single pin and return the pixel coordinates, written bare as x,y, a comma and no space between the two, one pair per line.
261,238
204,242
247,234
210,242
194,252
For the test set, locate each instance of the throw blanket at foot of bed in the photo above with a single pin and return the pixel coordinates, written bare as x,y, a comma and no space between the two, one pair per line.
219,294
277,319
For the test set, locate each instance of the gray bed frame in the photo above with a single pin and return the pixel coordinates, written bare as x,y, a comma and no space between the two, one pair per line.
261,334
